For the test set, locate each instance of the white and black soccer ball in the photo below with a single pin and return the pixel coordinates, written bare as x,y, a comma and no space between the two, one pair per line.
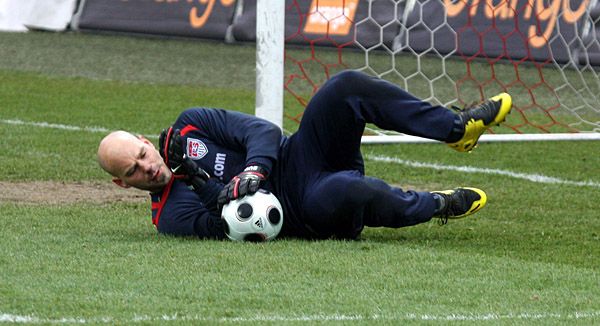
255,218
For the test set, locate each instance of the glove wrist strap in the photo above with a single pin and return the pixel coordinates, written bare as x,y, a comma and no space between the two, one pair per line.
256,169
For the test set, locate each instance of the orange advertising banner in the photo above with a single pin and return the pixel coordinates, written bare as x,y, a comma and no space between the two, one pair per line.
508,29
532,30
197,18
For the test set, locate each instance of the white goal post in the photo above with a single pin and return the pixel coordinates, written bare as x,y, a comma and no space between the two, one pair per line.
270,30
576,76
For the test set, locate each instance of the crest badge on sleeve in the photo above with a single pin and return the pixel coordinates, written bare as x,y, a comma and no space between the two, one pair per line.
196,149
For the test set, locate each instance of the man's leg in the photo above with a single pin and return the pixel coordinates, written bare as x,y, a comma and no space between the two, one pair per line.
338,112
335,118
357,98
342,203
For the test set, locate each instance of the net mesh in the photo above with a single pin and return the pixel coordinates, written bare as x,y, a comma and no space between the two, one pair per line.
546,54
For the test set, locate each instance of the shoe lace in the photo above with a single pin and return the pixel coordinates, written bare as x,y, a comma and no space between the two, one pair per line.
446,212
465,108
442,220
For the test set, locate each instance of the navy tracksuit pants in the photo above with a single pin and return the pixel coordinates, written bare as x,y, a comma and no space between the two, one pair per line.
329,190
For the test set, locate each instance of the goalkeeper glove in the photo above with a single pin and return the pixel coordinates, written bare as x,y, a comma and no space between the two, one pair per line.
246,183
171,150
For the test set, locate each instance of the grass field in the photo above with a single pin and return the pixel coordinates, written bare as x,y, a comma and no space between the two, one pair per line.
531,257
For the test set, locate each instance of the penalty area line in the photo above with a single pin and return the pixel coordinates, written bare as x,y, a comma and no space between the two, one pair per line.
30,319
538,178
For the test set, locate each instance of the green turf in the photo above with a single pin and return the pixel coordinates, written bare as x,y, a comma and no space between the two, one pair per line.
531,256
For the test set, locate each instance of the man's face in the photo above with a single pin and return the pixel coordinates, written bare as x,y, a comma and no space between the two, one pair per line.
135,162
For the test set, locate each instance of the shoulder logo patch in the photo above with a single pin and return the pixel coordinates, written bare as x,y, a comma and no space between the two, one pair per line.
196,149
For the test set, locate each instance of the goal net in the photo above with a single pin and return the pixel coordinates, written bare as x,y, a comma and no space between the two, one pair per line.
545,53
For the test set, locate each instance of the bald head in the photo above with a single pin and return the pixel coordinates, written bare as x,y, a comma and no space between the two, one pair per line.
133,161
112,147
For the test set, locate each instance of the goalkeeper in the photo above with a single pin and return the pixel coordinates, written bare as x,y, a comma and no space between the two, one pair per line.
211,156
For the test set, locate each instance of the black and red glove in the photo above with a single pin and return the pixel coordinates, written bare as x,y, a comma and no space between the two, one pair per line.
170,147
170,144
246,183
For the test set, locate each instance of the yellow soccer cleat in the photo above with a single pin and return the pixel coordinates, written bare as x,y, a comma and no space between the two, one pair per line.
479,118
459,202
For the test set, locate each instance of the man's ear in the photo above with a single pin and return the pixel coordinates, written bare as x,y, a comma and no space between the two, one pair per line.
120,183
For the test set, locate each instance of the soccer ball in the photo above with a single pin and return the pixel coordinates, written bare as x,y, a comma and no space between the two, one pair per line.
254,218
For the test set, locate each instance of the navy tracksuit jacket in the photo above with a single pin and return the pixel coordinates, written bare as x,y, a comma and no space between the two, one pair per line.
317,173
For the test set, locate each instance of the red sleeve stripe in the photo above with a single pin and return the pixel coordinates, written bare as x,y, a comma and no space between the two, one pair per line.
187,129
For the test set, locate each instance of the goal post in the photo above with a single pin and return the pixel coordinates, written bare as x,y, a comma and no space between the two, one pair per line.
270,27
448,52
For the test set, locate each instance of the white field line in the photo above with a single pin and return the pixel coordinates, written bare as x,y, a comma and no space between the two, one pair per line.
10,318
53,125
538,178
59,126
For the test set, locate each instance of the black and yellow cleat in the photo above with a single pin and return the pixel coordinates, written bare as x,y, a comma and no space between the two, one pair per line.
459,203
479,118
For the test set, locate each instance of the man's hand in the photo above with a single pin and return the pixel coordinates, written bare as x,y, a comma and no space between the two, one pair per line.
196,177
245,183
171,149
